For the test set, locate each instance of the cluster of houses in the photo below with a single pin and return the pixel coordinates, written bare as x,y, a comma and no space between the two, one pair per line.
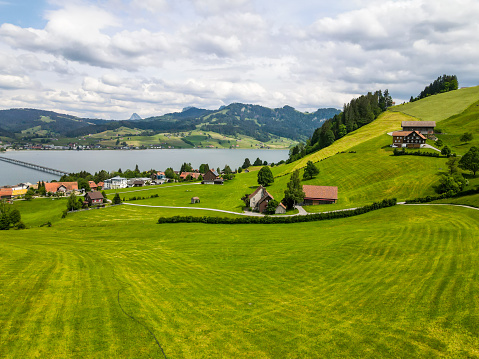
313,195
413,134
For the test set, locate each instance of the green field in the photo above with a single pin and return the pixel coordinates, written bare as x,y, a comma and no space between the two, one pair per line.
364,287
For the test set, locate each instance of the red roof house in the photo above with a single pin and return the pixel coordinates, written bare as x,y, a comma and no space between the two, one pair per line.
314,195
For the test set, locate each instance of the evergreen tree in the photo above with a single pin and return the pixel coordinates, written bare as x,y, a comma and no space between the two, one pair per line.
186,167
258,162
446,151
204,168
116,199
265,176
246,163
294,192
137,169
466,137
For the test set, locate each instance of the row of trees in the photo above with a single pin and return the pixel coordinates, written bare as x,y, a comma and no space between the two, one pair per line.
442,84
357,113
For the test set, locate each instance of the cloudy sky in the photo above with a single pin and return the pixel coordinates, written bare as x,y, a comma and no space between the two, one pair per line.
110,58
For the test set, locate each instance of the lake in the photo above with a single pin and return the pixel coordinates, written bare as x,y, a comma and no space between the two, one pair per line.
94,161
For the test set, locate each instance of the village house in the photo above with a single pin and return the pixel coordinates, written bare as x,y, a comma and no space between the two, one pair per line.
314,195
194,175
61,187
212,177
93,185
6,193
412,139
424,127
259,199
138,183
115,183
93,198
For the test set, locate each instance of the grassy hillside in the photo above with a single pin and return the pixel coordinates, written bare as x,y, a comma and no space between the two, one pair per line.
441,106
365,287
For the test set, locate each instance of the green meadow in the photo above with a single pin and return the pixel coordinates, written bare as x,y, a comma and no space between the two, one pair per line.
399,282
362,287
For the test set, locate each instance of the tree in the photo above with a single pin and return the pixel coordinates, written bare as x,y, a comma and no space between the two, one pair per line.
466,137
29,194
439,143
15,216
342,131
246,163
452,163
204,168
83,183
451,184
271,207
4,215
265,176
227,170
258,162
169,173
470,161
105,199
137,169
240,169
310,171
116,199
72,203
446,151
186,167
294,191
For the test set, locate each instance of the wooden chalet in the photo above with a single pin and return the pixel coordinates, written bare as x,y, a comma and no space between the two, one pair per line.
93,198
412,139
314,195
212,177
424,127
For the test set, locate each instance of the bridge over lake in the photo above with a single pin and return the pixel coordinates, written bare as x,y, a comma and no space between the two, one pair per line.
33,166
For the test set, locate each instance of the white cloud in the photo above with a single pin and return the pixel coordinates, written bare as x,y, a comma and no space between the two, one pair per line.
118,56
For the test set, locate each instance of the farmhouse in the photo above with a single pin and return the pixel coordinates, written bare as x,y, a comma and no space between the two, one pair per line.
61,187
93,185
212,177
92,198
259,199
424,127
413,139
314,195
6,193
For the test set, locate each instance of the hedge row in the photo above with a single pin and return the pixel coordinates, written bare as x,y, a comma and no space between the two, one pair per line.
276,220
403,152
448,194
139,198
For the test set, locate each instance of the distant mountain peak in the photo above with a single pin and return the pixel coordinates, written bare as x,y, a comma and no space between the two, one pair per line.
135,117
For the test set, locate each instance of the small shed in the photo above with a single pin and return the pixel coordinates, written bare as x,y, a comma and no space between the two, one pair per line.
281,209
195,200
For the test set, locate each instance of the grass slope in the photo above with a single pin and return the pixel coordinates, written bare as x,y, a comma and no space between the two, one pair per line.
365,287
441,106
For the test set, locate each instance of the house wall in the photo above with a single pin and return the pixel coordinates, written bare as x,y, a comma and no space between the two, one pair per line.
254,200
280,210
209,176
262,206
423,130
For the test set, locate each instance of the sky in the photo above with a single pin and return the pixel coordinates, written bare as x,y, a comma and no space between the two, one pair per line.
110,58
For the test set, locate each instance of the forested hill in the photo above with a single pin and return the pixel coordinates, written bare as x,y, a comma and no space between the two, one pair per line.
256,121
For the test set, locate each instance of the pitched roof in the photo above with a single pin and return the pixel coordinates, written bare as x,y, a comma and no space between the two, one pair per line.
255,192
407,133
92,184
266,195
94,195
5,192
320,192
418,123
281,205
214,172
195,175
53,186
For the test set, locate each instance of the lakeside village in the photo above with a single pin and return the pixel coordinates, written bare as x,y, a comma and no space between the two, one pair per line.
84,192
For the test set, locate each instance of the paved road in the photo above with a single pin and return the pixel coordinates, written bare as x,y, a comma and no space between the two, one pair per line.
438,204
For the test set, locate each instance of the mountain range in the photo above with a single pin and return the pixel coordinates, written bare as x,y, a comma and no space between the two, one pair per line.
258,122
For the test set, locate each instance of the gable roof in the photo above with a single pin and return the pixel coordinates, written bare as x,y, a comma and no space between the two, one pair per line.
53,186
92,184
281,205
418,123
94,195
407,133
214,172
266,195
320,192
255,192
6,192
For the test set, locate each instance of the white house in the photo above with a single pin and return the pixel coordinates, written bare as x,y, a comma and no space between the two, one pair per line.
115,183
